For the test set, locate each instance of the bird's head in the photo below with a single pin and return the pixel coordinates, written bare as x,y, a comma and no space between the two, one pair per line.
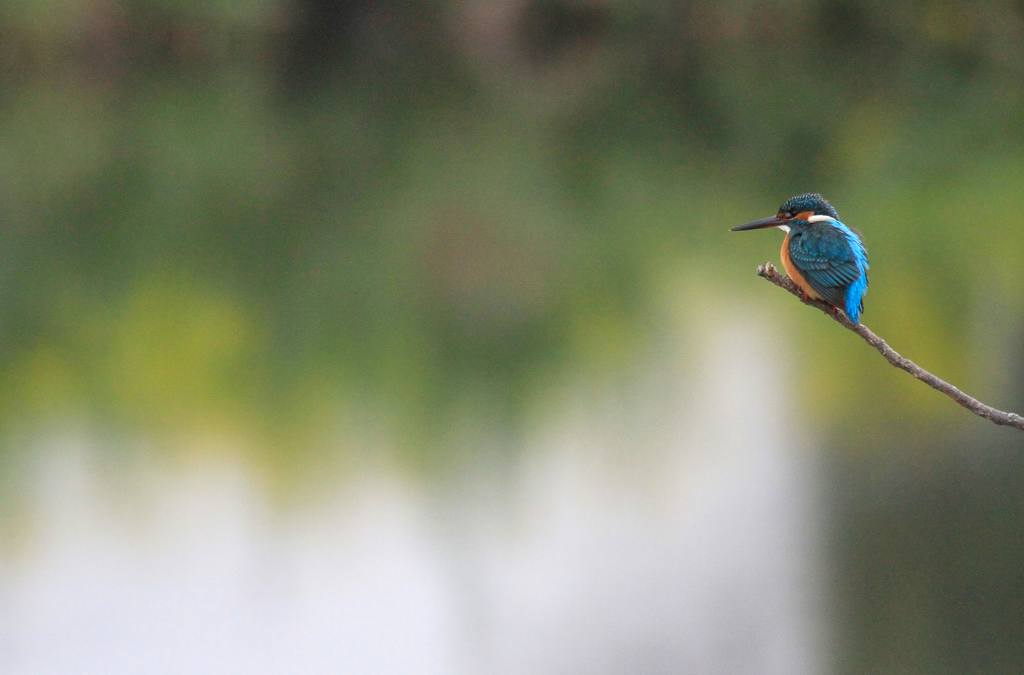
801,208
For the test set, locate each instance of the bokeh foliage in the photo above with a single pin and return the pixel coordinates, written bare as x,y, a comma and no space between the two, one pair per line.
403,202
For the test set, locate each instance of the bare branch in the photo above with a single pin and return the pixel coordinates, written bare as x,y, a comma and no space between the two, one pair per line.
768,271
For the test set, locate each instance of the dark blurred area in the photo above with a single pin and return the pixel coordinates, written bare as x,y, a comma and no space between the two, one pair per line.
288,223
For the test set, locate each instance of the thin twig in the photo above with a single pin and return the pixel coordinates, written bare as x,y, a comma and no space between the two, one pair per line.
768,271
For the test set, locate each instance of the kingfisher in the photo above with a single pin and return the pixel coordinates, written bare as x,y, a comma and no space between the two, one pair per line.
825,258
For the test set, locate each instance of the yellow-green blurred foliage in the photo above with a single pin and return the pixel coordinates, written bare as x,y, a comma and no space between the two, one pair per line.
271,219
208,210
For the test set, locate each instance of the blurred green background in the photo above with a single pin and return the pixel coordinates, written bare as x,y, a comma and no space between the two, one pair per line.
313,235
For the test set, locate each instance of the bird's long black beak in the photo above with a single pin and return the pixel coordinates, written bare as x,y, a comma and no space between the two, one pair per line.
774,221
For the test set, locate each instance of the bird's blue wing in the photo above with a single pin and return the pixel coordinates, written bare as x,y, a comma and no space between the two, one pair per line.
831,263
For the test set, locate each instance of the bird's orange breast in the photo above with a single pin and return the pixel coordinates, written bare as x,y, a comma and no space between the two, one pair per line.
793,272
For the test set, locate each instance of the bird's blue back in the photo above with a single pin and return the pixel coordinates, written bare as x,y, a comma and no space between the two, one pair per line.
833,260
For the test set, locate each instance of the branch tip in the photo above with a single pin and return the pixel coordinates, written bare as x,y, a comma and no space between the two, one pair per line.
767,271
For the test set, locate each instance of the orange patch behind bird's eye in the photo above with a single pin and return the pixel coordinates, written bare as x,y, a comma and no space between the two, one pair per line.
804,215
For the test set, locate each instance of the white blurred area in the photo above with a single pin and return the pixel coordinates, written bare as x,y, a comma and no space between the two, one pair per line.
667,525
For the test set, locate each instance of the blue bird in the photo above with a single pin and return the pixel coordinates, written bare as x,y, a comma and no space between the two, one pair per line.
824,257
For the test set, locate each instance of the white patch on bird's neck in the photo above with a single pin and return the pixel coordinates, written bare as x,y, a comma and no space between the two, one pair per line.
820,219
784,228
